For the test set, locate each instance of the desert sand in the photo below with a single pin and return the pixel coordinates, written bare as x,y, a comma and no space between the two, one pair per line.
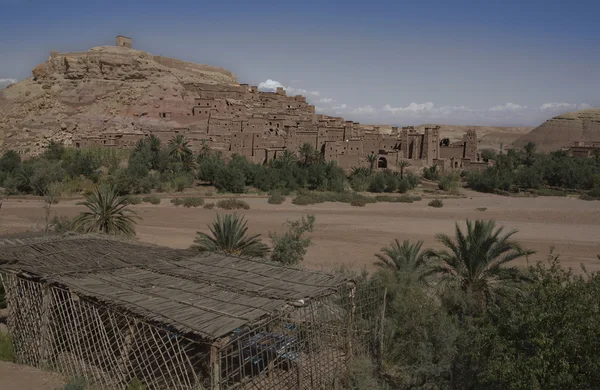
350,236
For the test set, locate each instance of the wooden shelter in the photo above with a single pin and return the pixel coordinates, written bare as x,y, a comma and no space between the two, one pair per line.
112,311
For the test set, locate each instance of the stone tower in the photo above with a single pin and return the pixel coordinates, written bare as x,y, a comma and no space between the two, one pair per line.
470,140
123,41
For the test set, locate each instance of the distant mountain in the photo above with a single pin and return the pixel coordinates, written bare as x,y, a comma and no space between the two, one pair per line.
563,130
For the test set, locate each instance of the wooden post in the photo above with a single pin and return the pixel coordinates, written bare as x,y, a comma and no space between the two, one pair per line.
350,334
215,367
299,374
381,329
45,339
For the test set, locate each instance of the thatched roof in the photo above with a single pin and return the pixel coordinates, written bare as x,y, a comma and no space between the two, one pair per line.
210,295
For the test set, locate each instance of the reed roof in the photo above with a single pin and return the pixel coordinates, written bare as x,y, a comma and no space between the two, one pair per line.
208,294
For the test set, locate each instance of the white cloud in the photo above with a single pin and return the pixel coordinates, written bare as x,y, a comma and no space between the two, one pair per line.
299,91
340,107
325,100
5,82
557,106
364,110
272,85
423,109
584,106
508,107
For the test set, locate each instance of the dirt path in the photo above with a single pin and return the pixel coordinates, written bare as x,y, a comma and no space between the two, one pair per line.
349,236
17,377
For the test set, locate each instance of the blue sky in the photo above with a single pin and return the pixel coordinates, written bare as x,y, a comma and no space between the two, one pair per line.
453,62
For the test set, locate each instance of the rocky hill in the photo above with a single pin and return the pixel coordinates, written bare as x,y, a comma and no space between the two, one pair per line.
104,88
563,130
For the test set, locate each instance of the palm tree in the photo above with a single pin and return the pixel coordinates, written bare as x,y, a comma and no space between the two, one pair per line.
529,149
307,153
402,258
189,163
229,236
286,159
372,159
140,145
402,164
476,262
154,143
363,171
108,213
596,154
179,147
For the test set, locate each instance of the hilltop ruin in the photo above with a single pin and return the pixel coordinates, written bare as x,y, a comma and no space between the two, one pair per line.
115,96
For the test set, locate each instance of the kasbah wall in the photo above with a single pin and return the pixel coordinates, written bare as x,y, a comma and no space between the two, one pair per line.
261,125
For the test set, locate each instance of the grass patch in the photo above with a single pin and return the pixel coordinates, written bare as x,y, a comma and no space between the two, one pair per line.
134,200
397,199
548,192
481,208
276,198
152,199
436,203
209,206
232,204
353,198
587,197
7,352
194,201
177,201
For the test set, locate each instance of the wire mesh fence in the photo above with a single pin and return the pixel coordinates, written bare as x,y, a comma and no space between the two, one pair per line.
305,346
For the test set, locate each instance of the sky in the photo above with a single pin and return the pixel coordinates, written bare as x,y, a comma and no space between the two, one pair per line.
485,62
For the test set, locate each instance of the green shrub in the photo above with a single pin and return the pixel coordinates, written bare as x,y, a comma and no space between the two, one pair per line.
76,384
397,199
152,199
276,198
232,204
307,198
7,352
412,179
209,206
209,193
134,200
449,182
548,192
359,182
436,203
358,202
194,201
61,224
595,192
403,186
290,247
177,201
431,173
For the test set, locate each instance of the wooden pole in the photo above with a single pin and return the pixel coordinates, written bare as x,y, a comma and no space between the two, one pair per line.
381,329
215,367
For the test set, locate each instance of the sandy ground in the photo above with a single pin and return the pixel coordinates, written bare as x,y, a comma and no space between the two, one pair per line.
350,236
17,377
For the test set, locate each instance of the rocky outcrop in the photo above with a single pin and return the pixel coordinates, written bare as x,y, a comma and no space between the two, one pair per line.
564,130
105,88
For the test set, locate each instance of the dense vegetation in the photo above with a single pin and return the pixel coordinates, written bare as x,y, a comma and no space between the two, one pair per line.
152,166
467,318
528,169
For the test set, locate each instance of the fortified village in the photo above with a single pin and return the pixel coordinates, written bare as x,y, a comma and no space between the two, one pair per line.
229,117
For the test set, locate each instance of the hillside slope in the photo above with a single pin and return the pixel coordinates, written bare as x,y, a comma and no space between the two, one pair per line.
97,90
563,130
